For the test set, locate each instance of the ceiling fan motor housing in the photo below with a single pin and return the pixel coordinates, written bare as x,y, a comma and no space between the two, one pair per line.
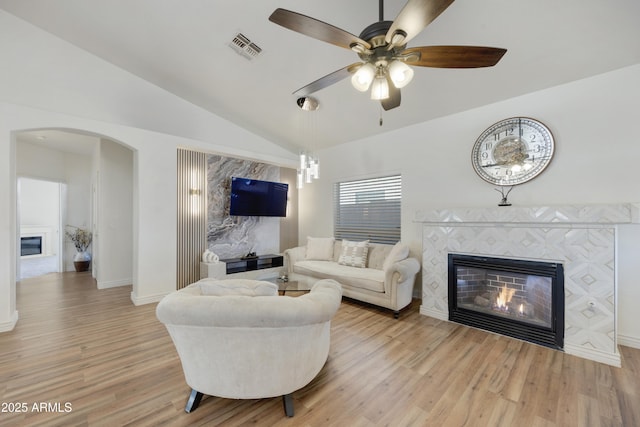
373,31
379,54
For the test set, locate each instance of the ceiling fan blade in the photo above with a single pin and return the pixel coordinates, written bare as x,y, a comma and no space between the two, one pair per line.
414,17
317,29
328,80
394,98
453,56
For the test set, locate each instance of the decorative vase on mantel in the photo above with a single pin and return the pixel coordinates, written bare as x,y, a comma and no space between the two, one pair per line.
82,261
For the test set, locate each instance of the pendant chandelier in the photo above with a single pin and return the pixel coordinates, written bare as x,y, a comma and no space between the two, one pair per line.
309,166
308,170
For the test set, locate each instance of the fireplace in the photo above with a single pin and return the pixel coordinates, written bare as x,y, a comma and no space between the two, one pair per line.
518,298
580,237
31,245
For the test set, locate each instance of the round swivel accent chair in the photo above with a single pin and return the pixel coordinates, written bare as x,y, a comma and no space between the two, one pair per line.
238,339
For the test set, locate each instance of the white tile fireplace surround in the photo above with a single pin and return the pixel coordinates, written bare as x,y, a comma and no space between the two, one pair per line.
583,238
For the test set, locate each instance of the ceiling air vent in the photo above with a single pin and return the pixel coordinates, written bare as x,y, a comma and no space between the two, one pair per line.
244,47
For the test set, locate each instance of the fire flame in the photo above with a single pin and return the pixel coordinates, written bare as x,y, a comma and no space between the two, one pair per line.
504,297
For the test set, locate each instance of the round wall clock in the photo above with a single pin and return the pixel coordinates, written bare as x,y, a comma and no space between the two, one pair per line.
512,151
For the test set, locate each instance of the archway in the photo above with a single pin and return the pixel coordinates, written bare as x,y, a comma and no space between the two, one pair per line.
99,174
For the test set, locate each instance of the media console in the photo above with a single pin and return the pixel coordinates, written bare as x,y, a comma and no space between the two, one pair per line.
240,265
246,268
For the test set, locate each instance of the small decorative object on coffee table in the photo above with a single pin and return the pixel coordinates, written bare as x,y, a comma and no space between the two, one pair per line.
81,239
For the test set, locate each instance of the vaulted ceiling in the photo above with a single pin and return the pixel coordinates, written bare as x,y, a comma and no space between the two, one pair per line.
184,47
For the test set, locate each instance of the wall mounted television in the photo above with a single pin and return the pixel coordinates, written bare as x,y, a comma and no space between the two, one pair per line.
253,197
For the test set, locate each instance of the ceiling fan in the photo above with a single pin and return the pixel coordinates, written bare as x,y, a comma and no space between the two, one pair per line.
385,59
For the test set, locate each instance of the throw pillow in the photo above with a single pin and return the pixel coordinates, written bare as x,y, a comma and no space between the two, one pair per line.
399,252
221,288
354,254
320,248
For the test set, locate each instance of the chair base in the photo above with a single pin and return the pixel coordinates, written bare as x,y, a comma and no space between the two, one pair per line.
195,397
287,401
194,400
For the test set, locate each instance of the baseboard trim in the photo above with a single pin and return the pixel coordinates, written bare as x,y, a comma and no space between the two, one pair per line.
433,313
8,326
612,359
114,283
146,300
629,341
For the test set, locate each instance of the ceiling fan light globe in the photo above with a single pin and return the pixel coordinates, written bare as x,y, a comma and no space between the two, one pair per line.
380,88
362,79
400,73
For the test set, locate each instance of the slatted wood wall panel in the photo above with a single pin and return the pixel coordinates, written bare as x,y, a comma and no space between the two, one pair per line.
192,215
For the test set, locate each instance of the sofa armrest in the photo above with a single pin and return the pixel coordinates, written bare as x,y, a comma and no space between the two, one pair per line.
407,269
293,255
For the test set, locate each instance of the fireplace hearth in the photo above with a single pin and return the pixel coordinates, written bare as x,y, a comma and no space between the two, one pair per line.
518,298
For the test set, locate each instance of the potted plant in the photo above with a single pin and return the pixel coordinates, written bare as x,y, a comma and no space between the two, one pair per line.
81,239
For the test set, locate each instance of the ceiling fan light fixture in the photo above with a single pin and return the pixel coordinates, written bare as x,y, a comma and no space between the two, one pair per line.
380,88
400,73
362,79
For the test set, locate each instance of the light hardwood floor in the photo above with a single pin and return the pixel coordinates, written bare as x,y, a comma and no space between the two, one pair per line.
106,362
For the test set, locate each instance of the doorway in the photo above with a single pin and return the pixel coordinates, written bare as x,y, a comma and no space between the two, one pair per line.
40,227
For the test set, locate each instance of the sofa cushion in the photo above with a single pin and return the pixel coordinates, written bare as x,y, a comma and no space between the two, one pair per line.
364,278
320,248
399,252
252,288
354,254
377,254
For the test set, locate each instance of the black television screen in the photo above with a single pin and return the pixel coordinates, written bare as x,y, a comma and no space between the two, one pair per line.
252,197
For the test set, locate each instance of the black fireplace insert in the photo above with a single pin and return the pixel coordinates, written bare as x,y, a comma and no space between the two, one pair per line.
30,245
518,298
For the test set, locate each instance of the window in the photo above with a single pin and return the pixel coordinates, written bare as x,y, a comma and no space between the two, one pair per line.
368,209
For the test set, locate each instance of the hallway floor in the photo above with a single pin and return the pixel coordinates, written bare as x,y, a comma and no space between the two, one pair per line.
34,266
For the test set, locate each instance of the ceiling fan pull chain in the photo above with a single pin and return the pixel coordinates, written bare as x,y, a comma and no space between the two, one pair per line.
380,115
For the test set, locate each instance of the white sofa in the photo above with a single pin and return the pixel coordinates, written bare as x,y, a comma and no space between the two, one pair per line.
238,339
385,277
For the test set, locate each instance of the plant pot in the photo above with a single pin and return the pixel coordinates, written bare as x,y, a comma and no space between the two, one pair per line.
82,261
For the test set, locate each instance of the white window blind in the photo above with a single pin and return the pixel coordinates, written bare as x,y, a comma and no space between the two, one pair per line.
368,209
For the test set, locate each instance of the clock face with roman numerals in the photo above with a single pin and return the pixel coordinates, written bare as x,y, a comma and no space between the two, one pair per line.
512,151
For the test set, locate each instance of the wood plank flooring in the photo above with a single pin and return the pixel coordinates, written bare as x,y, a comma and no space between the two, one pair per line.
88,357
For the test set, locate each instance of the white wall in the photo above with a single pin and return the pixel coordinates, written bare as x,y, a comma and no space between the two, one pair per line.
35,194
597,151
114,234
48,83
39,212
